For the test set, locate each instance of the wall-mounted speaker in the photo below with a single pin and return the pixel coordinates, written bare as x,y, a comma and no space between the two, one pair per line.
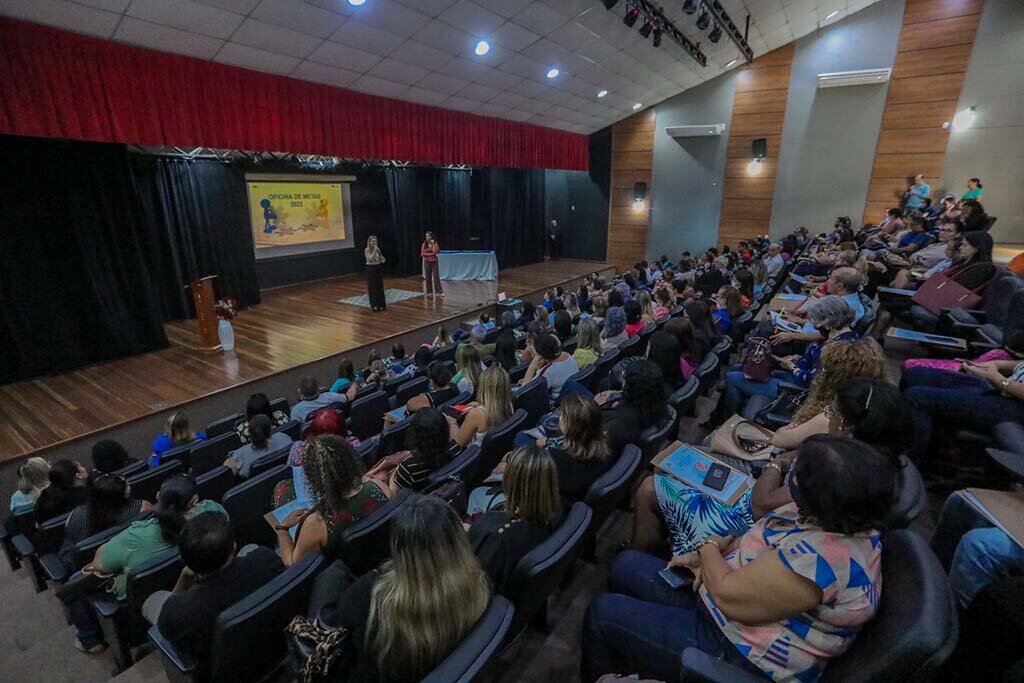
760,148
639,191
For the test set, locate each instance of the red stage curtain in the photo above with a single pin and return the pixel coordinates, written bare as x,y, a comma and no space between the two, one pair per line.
64,85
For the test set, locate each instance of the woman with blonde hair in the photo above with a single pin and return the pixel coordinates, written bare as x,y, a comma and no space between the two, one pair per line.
572,306
407,616
647,312
33,477
599,304
581,453
664,300
374,281
442,339
588,343
177,433
467,359
492,407
519,516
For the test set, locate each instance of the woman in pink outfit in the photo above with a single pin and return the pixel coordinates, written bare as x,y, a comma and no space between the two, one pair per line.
1013,348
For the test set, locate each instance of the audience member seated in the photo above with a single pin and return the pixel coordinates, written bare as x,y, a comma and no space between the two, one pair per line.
176,503
551,363
492,407
581,451
427,440
325,421
67,490
33,478
259,404
843,282
639,405
109,456
340,494
599,306
477,336
663,350
177,433
972,269
441,389
714,277
634,318
312,399
743,281
866,408
421,360
832,318
562,326
346,376
773,261
262,440
442,338
648,314
664,299
408,615
514,517
467,360
727,307
1013,348
506,347
109,504
704,333
614,333
689,355
588,343
213,579
807,574
972,213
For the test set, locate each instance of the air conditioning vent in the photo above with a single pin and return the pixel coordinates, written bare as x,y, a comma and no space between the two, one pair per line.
841,79
708,130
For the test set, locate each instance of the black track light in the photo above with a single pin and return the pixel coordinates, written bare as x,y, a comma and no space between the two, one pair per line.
631,17
646,29
689,7
715,35
657,37
608,4
704,20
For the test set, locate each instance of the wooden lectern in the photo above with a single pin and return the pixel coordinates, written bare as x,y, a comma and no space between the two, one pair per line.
204,298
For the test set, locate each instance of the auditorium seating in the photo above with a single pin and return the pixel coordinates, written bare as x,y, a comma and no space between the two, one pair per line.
496,443
214,484
477,647
411,389
532,398
366,416
392,439
207,455
367,543
146,485
610,490
269,461
246,504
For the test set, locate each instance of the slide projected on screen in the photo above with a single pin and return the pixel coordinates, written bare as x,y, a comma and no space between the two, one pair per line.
294,215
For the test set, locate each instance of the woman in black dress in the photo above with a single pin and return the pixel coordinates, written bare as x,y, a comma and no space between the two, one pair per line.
374,281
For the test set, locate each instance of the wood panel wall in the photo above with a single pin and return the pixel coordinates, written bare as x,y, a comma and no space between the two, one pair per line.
759,108
632,159
931,62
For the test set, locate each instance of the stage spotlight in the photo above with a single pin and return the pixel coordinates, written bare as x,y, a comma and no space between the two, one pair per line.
646,29
482,48
657,37
608,4
553,73
631,17
690,6
704,20
715,35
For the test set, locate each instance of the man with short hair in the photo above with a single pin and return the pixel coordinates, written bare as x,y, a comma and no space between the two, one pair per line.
843,282
477,335
212,580
554,235
773,261
312,399
916,193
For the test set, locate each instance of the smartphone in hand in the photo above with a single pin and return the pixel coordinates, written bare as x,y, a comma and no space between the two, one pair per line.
674,580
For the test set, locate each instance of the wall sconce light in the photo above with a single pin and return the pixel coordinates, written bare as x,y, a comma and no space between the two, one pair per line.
963,120
754,167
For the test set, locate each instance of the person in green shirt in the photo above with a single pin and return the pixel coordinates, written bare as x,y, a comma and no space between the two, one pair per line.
588,348
974,190
176,503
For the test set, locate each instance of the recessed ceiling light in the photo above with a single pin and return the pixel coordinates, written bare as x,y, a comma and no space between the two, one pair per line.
637,106
482,48
831,14
553,73
602,93
357,3
731,62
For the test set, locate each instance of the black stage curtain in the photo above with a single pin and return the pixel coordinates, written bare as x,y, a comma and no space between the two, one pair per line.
422,199
75,283
513,201
197,224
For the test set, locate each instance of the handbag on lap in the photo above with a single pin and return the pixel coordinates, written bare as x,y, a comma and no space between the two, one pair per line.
942,291
318,653
742,439
757,359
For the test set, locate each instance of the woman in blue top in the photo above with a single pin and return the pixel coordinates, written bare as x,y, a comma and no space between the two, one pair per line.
916,193
729,306
178,433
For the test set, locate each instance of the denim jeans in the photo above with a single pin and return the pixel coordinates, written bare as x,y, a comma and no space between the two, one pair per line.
643,625
738,389
974,553
957,400
87,624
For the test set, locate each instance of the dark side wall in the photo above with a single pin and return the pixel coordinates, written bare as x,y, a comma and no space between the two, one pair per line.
578,200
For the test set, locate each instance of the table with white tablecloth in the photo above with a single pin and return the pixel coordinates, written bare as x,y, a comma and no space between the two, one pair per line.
468,265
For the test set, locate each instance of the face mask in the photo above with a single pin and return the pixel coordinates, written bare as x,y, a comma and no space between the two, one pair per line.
823,331
794,490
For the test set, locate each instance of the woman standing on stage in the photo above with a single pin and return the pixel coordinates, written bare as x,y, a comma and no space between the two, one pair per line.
429,251
374,281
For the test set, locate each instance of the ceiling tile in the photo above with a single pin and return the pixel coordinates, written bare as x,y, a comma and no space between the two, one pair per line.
506,8
355,33
441,36
156,37
472,18
298,16
461,104
465,69
546,51
342,56
187,16
328,75
63,14
598,51
255,33
540,19
236,6
480,92
495,56
378,86
523,66
399,72
442,83
571,8
339,7
429,7
109,5
502,80
251,58
509,99
516,115
418,54
572,36
513,36
416,94
532,89
391,16
534,106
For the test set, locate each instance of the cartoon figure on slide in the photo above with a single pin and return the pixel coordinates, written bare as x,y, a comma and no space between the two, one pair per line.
321,213
269,216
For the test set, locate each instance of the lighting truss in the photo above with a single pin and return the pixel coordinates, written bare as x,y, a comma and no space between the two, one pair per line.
654,14
725,22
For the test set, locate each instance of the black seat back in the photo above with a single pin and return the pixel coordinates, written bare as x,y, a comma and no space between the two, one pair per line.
570,345
178,453
49,535
477,647
462,399
496,443
633,346
292,428
210,454
646,334
915,627
464,462
605,364
280,404
741,325
269,461
707,373
392,439
539,573
446,353
684,399
246,504
517,372
249,637
223,425
83,552
367,543
215,483
587,377
411,389
722,349
534,399
366,418
158,573
654,437
612,487
145,486
911,496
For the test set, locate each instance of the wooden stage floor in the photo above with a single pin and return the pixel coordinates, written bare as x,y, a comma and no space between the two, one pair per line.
293,325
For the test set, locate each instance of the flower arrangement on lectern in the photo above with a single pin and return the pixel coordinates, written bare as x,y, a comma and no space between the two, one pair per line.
226,309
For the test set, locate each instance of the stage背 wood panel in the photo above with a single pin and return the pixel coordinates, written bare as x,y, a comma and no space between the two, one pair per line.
928,73
632,161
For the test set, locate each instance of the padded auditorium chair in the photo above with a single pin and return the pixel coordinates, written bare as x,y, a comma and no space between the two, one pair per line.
911,496
722,349
608,491
21,520
476,649
707,373
645,336
392,439
224,425
410,389
269,461
462,399
605,363
587,377
446,353
366,417
534,398
145,486
654,437
248,641
684,399
292,428
496,443
570,345
517,372
367,543
82,553
280,404
1000,313
44,539
911,635
632,347
540,572
247,502
464,462
210,454
215,483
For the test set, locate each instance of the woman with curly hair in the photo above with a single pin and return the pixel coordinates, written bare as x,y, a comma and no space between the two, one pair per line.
341,495
427,442
640,404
